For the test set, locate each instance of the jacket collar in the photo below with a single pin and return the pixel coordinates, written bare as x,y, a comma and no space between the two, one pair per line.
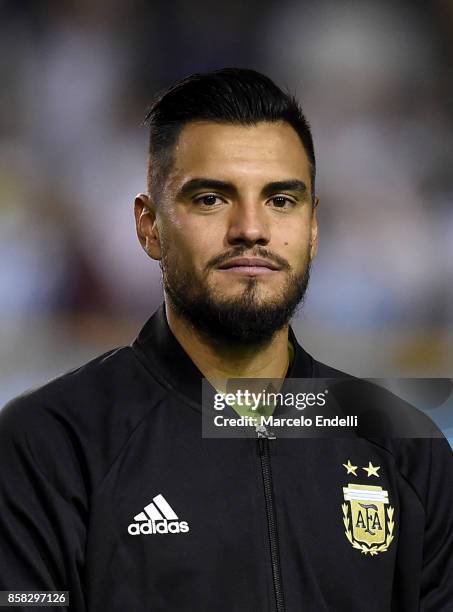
162,354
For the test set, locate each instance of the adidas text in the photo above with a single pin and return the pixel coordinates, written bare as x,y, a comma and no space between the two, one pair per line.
152,527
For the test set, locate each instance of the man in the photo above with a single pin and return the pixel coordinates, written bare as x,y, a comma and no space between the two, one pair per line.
108,489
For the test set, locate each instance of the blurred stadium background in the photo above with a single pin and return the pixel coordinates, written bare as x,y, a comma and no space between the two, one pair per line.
375,80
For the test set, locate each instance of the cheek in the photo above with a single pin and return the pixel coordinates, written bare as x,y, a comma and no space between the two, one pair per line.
203,243
199,237
296,251
293,237
183,251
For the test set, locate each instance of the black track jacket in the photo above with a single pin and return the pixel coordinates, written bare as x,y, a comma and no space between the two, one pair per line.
108,490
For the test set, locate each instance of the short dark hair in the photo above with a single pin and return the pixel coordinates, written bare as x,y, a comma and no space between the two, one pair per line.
229,95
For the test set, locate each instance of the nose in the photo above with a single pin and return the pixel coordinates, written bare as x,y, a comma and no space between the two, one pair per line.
248,224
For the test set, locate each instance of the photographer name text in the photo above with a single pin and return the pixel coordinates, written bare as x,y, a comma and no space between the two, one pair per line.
271,421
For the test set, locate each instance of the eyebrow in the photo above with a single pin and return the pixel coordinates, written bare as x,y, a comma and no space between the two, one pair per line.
206,183
294,185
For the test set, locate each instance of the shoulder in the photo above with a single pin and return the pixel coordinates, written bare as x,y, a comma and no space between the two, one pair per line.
84,415
416,443
381,412
70,391
322,370
105,379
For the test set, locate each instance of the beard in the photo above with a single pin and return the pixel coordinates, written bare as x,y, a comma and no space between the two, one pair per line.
245,319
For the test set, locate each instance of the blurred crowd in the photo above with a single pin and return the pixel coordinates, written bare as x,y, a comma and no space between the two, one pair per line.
374,79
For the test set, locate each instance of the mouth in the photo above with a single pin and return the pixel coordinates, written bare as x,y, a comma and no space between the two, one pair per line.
250,266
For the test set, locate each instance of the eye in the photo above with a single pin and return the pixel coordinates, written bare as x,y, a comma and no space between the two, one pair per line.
208,200
282,202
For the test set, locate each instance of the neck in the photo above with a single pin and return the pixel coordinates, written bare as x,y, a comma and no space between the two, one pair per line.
223,361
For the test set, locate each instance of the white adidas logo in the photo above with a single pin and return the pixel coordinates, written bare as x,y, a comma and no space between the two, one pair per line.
157,517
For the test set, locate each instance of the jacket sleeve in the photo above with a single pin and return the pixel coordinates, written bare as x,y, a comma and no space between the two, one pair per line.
43,505
429,467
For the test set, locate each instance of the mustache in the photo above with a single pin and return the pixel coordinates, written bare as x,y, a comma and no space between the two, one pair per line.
219,260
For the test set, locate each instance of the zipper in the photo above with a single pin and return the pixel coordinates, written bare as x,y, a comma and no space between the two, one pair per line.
264,454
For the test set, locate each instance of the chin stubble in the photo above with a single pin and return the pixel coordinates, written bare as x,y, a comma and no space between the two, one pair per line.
241,320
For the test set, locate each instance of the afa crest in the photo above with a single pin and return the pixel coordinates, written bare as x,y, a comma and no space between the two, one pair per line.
368,518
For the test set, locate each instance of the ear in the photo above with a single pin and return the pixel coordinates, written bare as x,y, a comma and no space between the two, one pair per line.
146,225
314,230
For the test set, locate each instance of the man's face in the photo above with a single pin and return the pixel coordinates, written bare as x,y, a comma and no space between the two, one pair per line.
235,228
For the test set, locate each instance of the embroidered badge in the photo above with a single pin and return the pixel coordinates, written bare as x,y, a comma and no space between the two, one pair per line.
368,517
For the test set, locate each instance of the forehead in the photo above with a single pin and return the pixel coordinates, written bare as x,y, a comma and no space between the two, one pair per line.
267,151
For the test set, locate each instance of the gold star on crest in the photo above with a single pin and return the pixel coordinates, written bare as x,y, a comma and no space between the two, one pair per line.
372,470
351,468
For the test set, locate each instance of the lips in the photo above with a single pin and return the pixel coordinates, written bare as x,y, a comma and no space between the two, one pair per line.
249,263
